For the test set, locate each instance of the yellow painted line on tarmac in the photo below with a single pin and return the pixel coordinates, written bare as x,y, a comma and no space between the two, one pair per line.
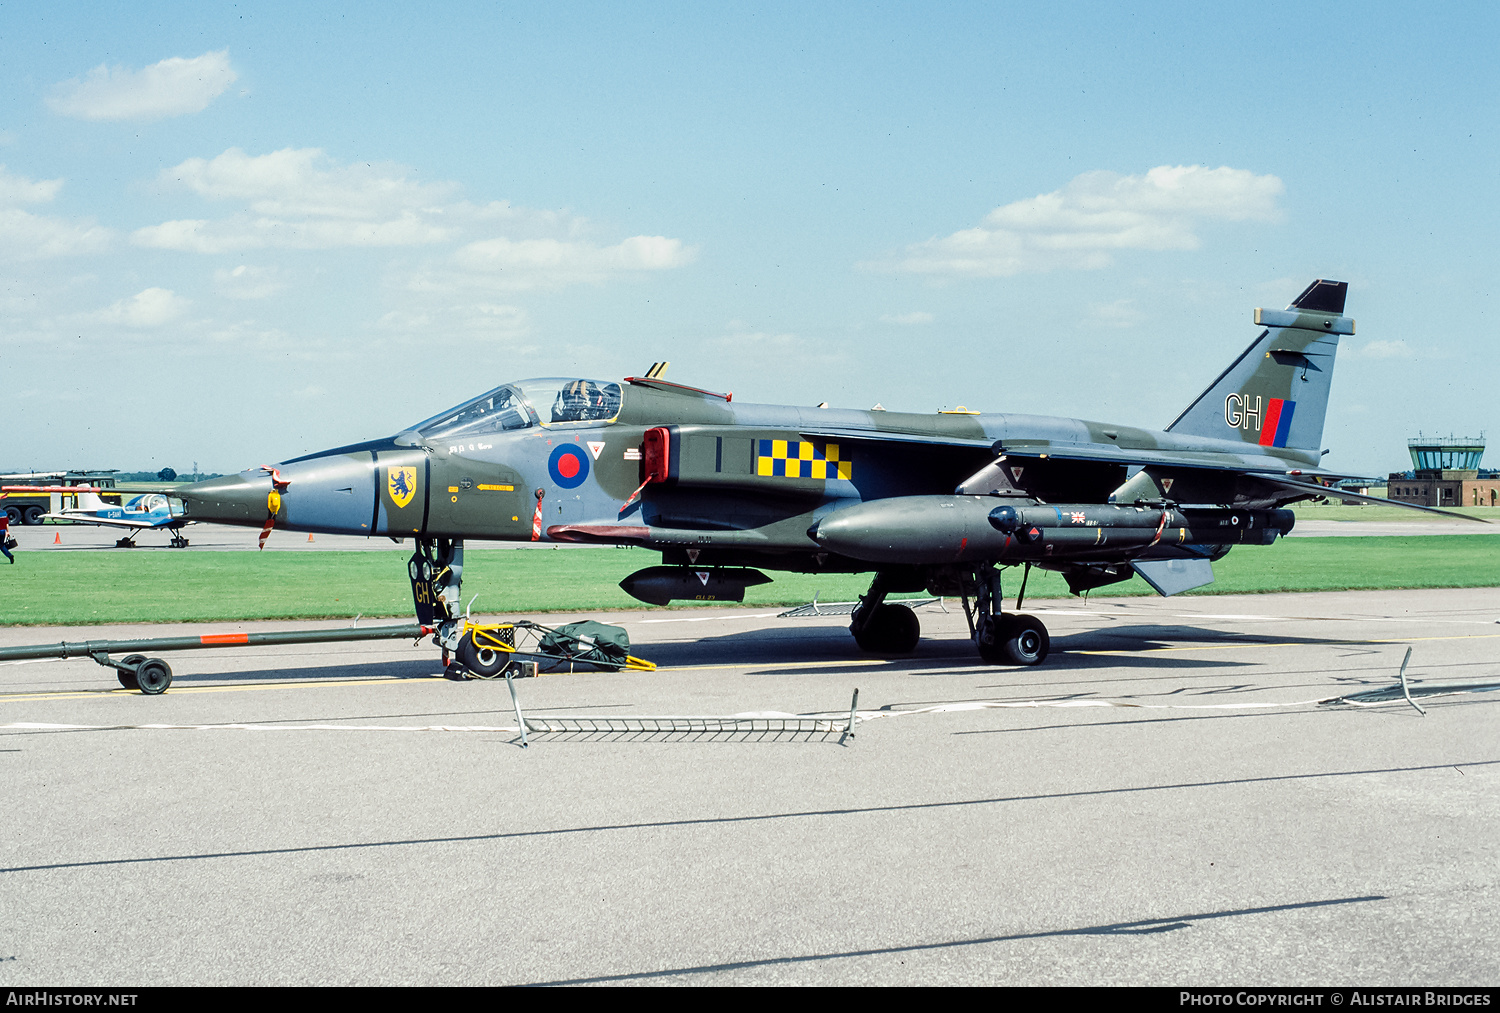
176,691
1287,643
314,682
779,664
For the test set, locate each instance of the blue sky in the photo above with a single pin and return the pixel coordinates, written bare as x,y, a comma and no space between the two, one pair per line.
233,234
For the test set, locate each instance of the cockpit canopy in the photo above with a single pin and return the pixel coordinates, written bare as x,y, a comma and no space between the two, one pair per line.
147,503
546,402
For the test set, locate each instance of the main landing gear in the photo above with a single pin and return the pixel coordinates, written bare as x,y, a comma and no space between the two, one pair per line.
1003,638
883,627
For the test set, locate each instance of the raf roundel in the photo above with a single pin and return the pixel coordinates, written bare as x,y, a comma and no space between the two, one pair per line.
568,466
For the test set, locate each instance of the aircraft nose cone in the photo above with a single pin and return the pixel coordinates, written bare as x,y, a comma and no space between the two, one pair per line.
332,493
233,499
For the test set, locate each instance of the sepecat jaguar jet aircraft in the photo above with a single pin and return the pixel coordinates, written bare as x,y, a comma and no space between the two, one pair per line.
940,502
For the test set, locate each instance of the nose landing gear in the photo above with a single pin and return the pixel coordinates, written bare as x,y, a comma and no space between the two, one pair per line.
436,570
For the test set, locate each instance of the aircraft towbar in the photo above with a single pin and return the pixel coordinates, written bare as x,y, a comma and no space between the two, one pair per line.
152,676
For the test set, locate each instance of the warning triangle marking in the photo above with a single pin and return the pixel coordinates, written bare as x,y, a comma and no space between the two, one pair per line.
596,449
702,576
1166,484
692,555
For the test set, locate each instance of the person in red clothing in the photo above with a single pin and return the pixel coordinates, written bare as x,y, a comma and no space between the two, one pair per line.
5,535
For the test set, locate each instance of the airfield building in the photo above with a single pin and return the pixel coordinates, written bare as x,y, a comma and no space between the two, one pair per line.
1446,473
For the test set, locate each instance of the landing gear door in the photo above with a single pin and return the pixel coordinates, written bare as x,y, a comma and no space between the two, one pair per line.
420,569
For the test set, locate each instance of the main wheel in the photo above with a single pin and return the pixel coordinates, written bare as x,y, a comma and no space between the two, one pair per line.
1023,640
153,677
989,638
892,629
482,661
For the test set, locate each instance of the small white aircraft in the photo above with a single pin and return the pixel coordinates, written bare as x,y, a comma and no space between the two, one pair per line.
150,511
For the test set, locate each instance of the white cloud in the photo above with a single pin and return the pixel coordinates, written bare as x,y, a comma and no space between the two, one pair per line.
907,319
741,350
173,87
149,308
1396,349
248,282
20,190
526,263
301,199
476,319
304,183
26,236
1083,224
231,236
1120,313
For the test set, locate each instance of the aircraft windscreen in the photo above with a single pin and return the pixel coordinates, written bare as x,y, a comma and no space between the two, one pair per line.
500,410
147,503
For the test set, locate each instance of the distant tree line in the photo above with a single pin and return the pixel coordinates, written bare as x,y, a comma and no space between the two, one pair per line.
165,475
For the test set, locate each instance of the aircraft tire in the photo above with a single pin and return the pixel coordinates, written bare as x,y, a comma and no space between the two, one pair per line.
127,679
893,629
482,662
987,638
1023,640
153,677
899,628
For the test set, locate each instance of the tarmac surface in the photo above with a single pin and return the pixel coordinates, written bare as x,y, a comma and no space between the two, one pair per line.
1172,798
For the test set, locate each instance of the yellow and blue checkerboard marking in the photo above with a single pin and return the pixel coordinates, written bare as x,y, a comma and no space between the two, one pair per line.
801,459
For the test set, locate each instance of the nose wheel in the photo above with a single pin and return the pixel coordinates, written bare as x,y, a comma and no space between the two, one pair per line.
436,570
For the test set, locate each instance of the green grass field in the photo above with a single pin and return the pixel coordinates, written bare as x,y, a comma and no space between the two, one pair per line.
1376,512
82,588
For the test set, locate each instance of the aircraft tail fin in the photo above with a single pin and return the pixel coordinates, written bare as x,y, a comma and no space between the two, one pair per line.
1276,393
90,501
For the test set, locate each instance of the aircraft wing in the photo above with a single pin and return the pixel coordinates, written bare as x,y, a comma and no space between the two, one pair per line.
120,522
876,436
1254,464
1322,490
1263,467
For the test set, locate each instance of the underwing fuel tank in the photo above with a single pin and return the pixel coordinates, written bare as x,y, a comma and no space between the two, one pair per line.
662,585
948,529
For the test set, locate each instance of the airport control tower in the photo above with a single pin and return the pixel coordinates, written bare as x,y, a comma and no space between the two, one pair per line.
1446,473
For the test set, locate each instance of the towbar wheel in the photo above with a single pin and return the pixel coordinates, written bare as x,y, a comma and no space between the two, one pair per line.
153,677
125,670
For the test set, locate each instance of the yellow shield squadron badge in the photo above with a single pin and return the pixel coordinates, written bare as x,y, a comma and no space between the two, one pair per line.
402,483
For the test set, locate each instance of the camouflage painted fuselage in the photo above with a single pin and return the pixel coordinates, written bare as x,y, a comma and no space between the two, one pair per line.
709,481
